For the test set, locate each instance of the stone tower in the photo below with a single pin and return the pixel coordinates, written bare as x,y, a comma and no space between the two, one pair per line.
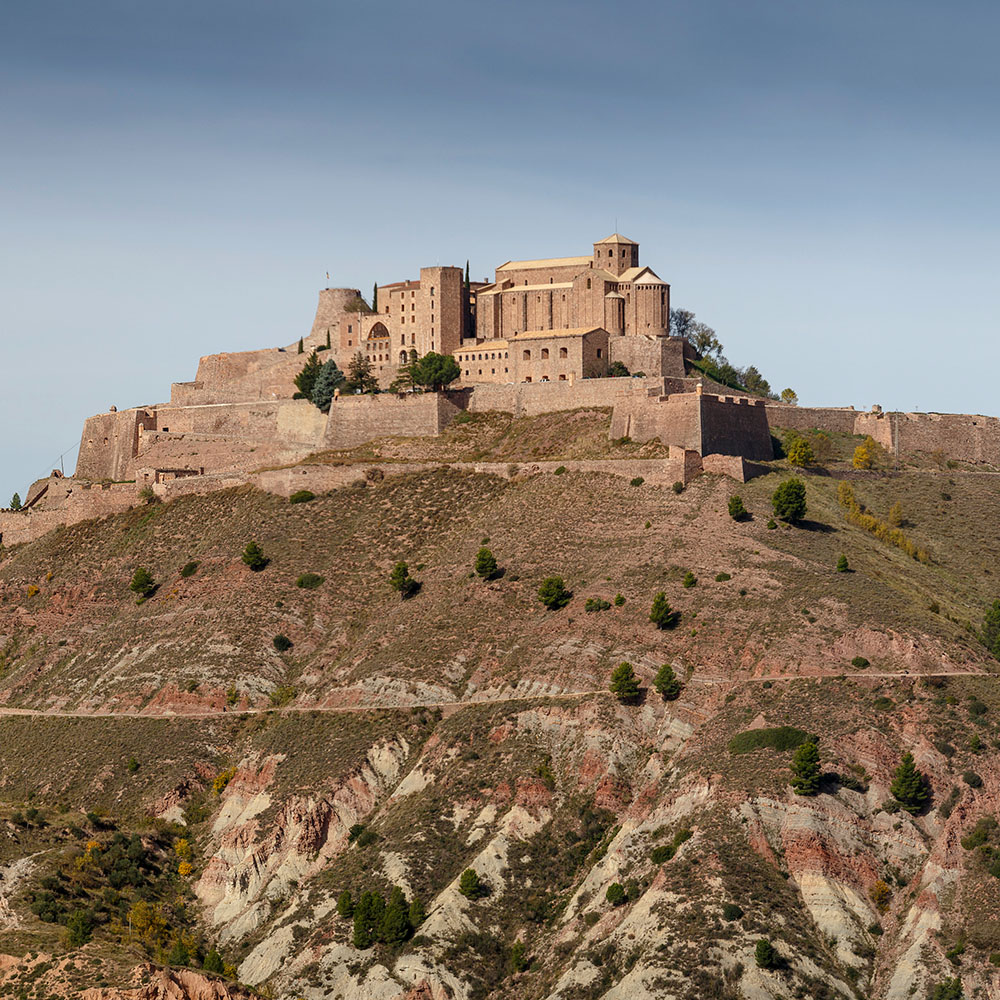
616,253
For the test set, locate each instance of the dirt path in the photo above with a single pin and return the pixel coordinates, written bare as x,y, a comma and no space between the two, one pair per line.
7,711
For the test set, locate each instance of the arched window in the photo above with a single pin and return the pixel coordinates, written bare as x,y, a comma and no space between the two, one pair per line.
545,354
588,282
526,356
402,357
563,353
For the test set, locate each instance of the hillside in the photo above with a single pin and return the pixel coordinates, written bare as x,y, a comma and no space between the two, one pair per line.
167,754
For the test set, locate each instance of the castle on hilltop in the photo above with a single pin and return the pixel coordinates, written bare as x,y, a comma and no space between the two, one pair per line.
544,336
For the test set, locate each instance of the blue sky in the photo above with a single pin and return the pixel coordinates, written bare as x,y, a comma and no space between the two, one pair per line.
816,181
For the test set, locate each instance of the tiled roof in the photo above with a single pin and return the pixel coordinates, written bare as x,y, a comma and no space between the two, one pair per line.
523,265
577,331
616,238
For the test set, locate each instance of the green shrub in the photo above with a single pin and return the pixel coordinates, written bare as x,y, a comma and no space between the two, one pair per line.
561,470
553,594
596,604
972,779
678,487
254,557
624,684
213,962
842,564
619,600
722,577
789,501
689,579
780,738
883,704
189,568
132,766
302,496
638,481
737,511
401,581
79,928
947,989
771,524
282,695
309,581
355,831
345,904
366,838
732,911
282,643
616,894
860,662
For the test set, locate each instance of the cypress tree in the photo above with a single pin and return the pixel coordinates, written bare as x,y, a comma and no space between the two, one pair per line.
805,768
328,338
468,284
301,346
375,297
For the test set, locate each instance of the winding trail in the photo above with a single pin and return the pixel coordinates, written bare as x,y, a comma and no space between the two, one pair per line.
12,712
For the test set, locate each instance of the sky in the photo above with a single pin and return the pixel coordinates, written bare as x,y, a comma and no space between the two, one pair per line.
818,182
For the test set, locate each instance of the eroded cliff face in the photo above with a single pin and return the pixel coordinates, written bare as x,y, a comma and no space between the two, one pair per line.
624,849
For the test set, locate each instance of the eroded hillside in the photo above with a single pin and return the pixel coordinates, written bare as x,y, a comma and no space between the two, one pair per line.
206,799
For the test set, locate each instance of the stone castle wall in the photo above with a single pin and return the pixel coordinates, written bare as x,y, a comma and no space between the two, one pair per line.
357,419
734,425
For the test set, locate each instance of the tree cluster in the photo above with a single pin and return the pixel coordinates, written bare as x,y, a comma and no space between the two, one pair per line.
377,920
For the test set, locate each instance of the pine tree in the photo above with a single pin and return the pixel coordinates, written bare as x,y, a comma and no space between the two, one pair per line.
789,500
553,593
305,381
345,904
400,579
909,787
15,502
842,564
417,913
254,557
991,630
765,954
661,614
736,509
486,564
142,582
666,683
360,375
469,884
805,768
213,962
394,924
624,684
301,346
368,918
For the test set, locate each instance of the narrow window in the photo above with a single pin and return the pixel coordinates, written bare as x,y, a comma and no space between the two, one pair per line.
545,354
600,353
588,282
563,352
526,356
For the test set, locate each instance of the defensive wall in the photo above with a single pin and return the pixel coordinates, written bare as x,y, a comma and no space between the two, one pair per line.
964,437
708,424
